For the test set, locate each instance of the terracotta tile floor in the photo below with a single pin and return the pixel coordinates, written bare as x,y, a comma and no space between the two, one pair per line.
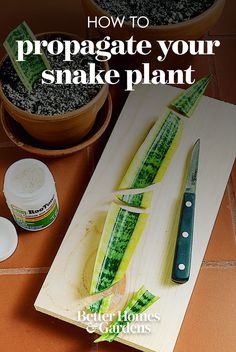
209,324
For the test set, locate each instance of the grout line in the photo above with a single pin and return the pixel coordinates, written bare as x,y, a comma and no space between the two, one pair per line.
211,62
225,264
215,84
213,72
24,271
94,346
7,145
91,161
232,202
227,35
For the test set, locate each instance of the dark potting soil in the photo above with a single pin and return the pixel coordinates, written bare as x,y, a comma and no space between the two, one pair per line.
45,99
159,12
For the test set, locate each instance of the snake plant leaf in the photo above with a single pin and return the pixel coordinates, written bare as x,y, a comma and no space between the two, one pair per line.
29,70
152,159
188,100
140,200
102,305
120,236
140,301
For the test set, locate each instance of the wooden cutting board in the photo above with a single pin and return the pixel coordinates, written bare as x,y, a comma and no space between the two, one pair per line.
65,290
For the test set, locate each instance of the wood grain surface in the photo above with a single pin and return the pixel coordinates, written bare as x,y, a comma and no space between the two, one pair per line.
65,290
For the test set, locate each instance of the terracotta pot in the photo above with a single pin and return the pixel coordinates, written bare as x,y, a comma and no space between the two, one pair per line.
24,141
192,29
59,130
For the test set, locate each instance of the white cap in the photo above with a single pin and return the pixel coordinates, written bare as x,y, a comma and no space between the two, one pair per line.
8,239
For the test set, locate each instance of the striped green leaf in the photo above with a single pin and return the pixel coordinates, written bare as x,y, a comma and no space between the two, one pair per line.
141,300
29,70
188,100
152,159
120,236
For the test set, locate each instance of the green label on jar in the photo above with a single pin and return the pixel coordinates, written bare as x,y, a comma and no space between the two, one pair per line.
36,219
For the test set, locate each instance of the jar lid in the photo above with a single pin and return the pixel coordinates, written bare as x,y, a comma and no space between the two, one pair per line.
27,180
8,239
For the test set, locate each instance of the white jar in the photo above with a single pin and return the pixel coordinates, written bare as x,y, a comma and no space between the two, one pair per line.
30,192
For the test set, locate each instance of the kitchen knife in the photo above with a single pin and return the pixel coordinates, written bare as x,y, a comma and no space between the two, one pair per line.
183,249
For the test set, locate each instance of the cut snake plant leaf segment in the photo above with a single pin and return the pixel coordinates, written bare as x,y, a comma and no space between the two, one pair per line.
141,301
120,236
188,100
101,306
142,200
29,70
153,157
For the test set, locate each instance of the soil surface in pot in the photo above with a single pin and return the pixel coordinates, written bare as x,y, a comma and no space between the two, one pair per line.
159,12
53,99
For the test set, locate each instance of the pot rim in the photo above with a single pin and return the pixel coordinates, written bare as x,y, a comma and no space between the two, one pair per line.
180,25
57,117
57,153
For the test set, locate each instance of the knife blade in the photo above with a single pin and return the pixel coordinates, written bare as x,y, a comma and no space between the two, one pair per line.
183,248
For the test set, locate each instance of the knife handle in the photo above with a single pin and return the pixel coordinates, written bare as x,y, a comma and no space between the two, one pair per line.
183,249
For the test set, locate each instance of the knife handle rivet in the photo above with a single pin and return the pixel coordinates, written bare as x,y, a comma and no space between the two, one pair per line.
185,234
181,266
188,204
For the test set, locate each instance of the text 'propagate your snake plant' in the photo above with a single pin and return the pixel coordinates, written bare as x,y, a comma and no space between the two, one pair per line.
104,49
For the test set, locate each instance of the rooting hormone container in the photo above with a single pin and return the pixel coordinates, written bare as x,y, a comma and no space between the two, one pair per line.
30,193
